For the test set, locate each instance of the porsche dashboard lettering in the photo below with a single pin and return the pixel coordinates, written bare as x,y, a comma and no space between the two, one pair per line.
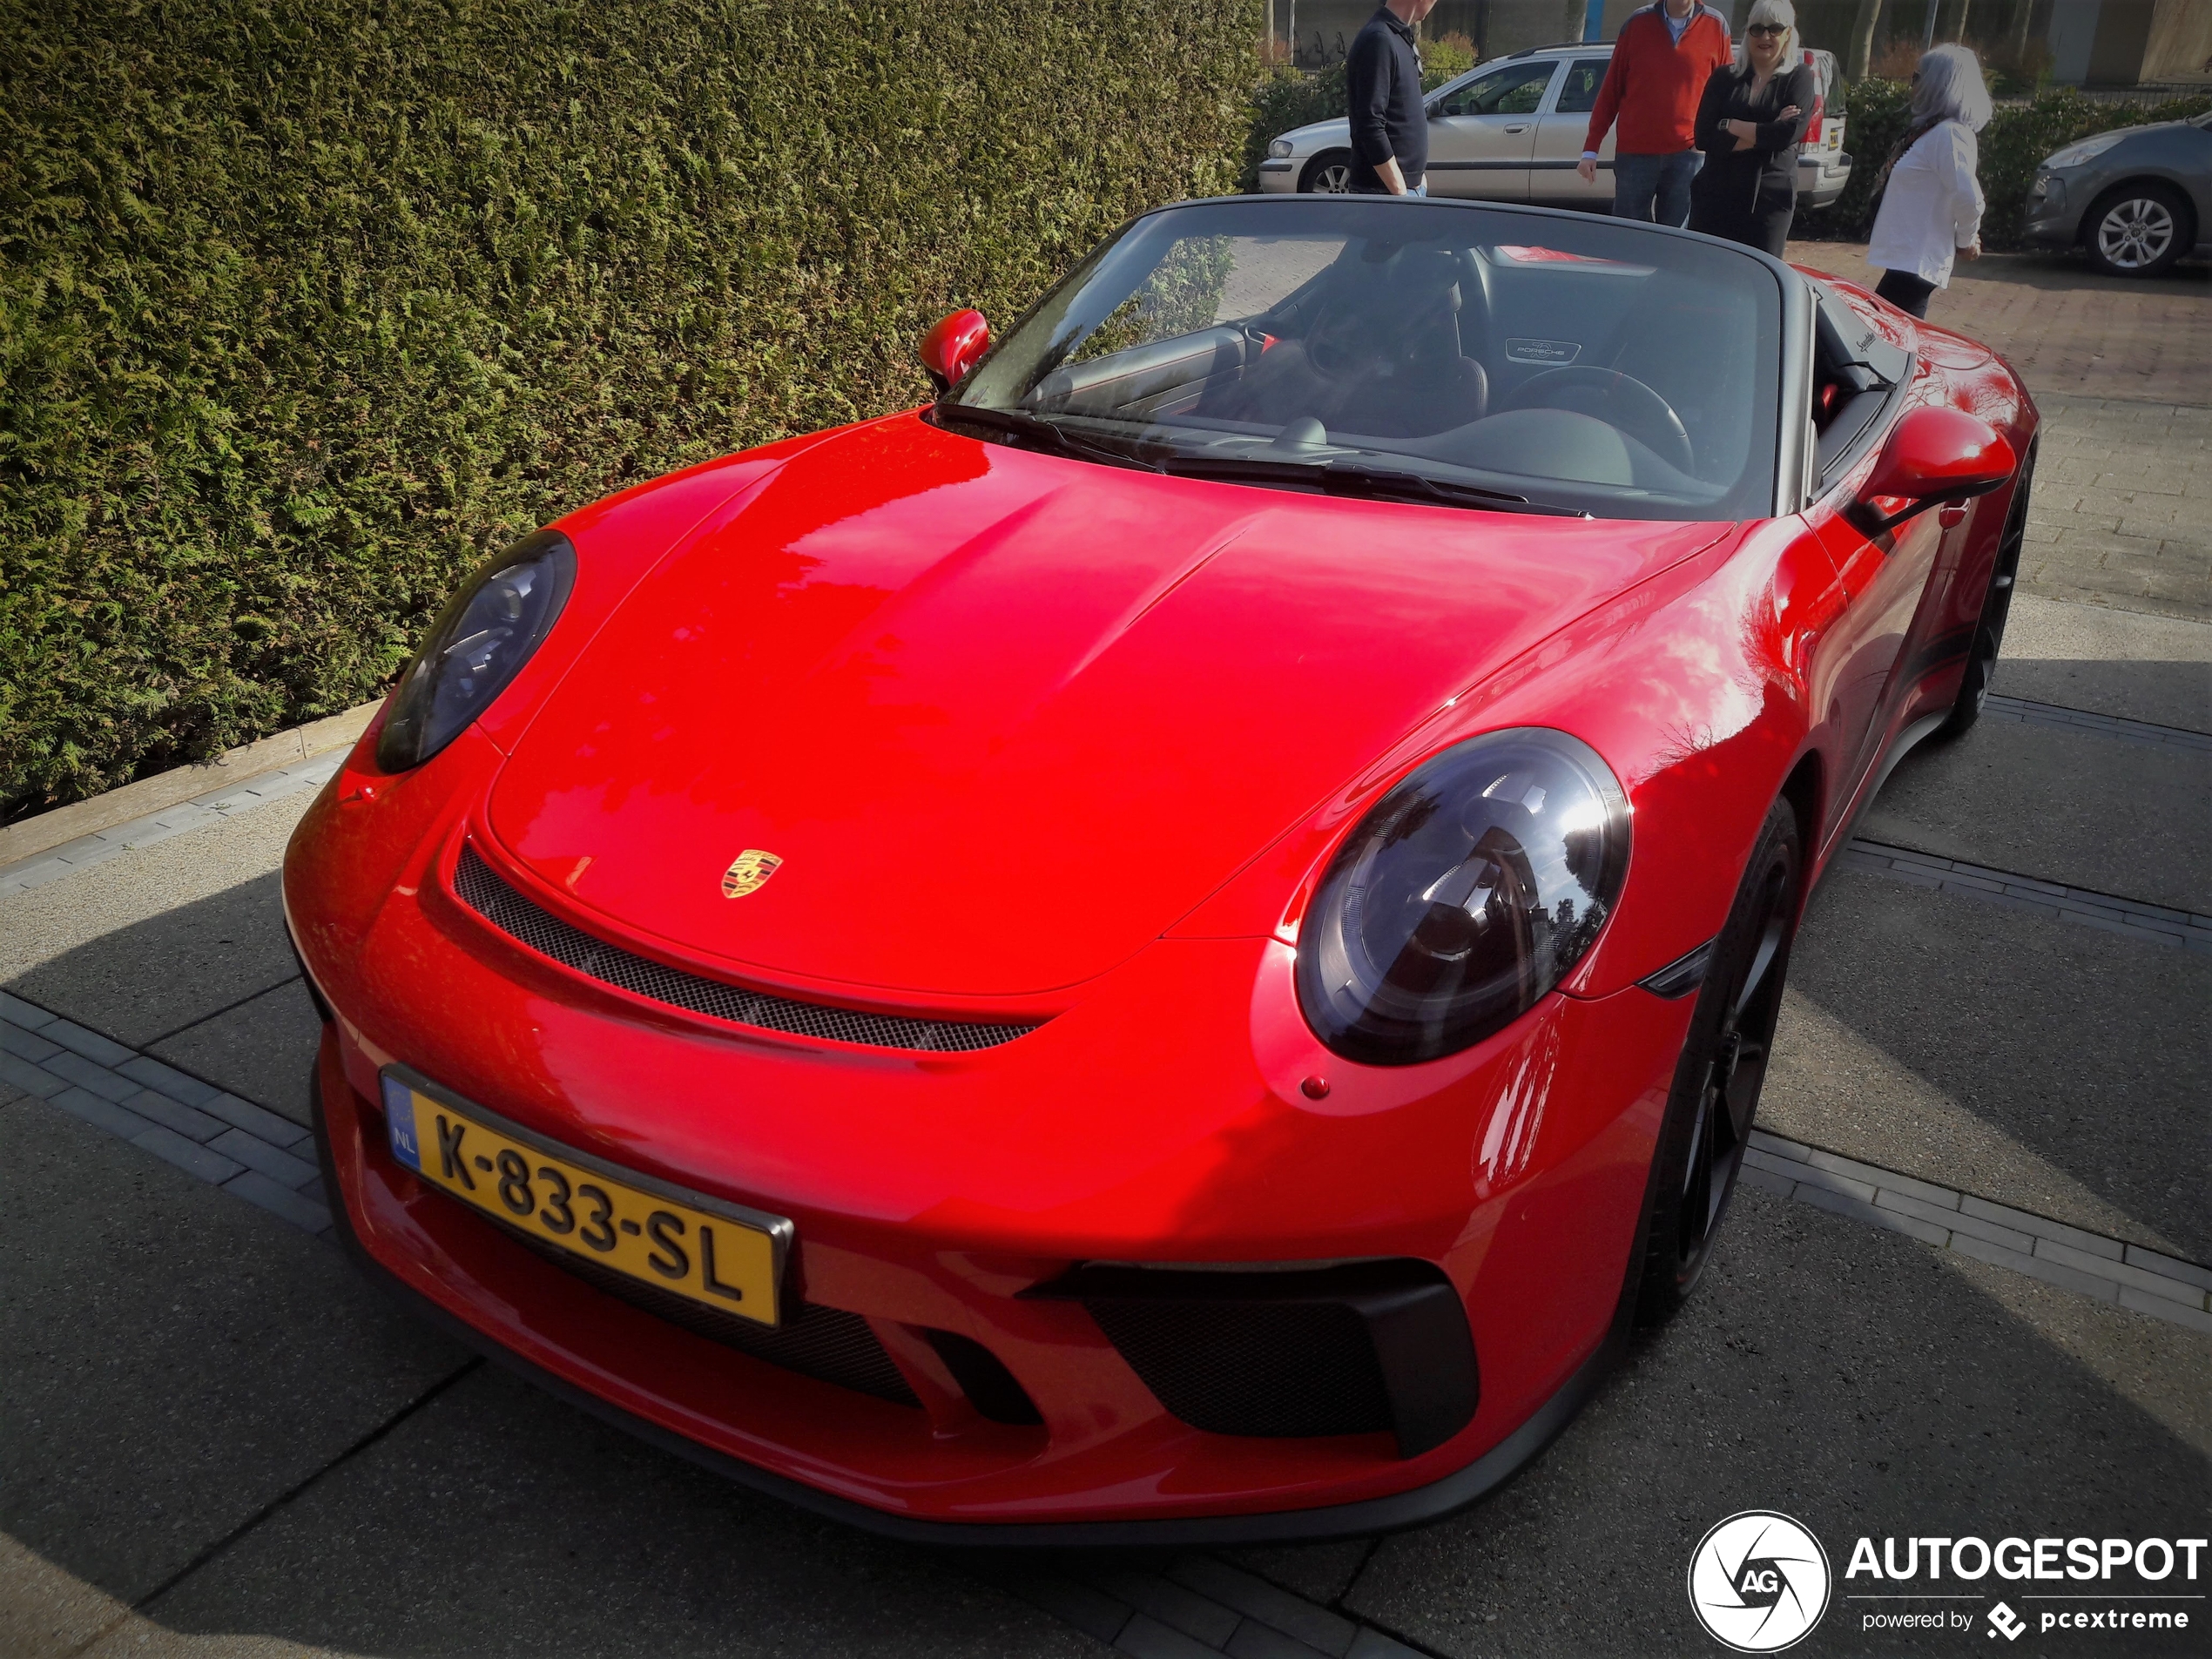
748,872
1542,350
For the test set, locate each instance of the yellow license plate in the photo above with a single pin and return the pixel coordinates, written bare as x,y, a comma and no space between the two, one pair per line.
719,1255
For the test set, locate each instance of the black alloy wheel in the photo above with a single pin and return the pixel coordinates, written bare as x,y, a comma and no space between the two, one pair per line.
1328,174
1996,606
2139,229
1723,1065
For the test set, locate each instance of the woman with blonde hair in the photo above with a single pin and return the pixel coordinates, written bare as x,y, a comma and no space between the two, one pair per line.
1749,124
1931,201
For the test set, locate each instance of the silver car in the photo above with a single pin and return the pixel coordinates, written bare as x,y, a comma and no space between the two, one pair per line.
2137,199
1512,130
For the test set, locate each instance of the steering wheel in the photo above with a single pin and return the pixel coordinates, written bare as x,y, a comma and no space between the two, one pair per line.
1642,412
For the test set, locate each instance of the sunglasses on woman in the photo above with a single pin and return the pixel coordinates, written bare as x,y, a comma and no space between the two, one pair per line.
1771,30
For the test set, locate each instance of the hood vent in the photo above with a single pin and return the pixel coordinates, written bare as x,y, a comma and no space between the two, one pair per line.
483,892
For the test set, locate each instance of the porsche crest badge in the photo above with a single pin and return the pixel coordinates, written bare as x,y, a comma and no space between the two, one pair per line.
748,872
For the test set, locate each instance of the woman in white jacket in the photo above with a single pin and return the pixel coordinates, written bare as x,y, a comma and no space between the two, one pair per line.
1931,202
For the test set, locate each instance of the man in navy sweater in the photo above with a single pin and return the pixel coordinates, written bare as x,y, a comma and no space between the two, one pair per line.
1383,86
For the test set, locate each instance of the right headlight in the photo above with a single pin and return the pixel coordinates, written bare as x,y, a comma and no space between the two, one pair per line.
487,631
1464,897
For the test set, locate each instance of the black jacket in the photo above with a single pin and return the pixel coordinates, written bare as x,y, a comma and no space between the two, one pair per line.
1383,87
1736,186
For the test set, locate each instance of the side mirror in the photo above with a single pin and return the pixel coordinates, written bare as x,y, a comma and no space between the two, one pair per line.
950,349
1935,455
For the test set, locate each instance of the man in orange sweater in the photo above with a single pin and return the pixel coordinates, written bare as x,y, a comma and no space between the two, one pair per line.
1659,69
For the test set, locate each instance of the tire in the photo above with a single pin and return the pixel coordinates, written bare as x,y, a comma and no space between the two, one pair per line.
1327,174
1723,1067
1996,606
2139,229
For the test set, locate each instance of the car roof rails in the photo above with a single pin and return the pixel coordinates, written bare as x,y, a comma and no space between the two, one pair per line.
1556,46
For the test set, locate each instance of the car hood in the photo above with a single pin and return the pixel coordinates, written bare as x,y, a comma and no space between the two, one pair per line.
1004,717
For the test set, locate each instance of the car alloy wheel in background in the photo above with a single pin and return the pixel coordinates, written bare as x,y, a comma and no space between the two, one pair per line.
1328,174
1724,1063
2137,231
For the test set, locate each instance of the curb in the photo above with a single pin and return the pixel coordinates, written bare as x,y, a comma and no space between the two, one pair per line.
41,833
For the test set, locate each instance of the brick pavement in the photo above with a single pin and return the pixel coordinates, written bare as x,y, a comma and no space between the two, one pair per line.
2122,369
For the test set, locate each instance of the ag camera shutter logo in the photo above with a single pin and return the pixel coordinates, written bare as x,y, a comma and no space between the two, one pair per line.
1759,1581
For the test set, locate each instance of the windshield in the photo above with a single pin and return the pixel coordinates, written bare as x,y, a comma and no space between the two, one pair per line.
1567,362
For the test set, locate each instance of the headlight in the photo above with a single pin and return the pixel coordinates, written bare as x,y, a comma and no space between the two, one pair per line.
1279,148
2089,149
480,641
1463,898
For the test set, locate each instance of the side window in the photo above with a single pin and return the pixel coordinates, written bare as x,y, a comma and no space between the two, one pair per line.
1579,95
1517,88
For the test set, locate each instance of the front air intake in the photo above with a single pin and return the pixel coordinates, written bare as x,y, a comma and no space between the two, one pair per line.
1352,1349
479,888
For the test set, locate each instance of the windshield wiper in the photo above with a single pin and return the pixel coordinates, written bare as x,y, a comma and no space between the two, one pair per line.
1341,477
1020,423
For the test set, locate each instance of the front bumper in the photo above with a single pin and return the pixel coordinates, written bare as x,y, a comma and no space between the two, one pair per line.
1159,1119
1278,175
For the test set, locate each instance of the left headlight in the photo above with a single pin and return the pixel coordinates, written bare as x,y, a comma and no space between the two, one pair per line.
1464,897
480,640
2088,150
1278,148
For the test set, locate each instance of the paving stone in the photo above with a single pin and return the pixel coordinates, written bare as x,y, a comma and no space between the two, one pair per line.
273,1196
1858,1209
1990,1232
26,1045
1147,1638
1925,1192
160,1109
94,1047
255,1120
1777,1146
101,1114
28,1016
1787,1169
1813,1176
168,1080
257,1154
2160,1308
1753,1175
2104,1289
2154,1283
1255,1597
187,1155
2170,1266
1256,1640
1171,1603
2043,1227
1090,1611
87,1074
33,1080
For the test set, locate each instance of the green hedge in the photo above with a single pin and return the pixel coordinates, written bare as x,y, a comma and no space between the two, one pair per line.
304,304
2013,145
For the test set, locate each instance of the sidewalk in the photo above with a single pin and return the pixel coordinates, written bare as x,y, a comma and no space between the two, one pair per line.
2122,369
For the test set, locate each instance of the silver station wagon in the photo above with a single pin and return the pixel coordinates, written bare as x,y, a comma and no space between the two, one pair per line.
1512,130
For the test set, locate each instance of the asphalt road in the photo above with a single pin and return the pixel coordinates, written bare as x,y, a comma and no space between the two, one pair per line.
214,1440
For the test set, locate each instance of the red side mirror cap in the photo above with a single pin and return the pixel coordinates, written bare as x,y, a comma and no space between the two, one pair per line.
950,349
1935,455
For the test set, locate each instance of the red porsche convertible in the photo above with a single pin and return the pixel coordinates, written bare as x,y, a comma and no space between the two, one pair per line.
1173,947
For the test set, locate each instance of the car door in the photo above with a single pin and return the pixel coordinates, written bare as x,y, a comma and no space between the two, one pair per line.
1481,135
1560,129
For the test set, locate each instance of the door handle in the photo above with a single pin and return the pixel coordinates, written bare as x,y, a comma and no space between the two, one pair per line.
1523,127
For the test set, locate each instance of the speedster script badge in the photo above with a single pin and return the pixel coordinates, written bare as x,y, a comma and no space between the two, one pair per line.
748,872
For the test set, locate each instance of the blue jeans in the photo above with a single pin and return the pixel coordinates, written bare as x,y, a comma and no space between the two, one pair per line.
1643,184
